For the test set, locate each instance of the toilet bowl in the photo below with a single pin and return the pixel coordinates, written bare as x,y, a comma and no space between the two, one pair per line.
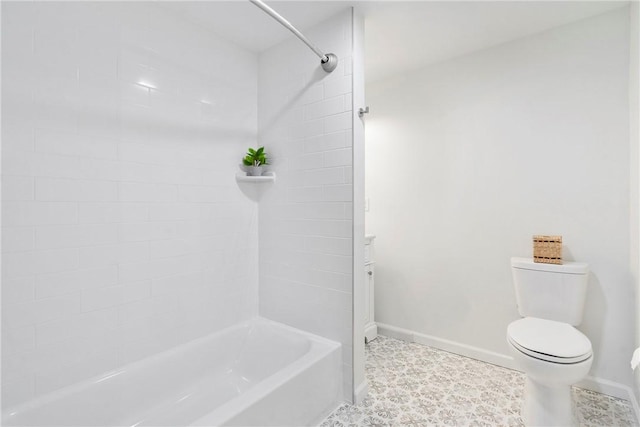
553,355
545,344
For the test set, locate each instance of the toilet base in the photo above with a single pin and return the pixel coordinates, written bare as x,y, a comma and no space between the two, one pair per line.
547,406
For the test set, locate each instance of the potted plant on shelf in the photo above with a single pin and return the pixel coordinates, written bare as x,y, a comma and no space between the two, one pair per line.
255,161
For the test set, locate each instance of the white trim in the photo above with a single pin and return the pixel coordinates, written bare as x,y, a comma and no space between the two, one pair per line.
634,140
371,331
358,377
599,385
361,392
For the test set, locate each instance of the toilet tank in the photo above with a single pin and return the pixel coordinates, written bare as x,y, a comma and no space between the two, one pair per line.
550,291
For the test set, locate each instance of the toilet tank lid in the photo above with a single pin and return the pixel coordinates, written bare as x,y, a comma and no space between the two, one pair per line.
567,267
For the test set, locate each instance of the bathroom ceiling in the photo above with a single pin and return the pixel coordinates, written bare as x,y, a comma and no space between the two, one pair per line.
408,35
400,35
249,27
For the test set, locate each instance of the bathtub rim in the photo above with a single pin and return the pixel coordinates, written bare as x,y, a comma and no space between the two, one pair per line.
320,349
96,379
317,344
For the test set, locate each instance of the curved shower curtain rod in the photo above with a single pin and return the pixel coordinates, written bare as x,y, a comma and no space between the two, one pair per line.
328,61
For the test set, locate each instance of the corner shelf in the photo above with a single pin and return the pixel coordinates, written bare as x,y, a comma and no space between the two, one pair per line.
267,177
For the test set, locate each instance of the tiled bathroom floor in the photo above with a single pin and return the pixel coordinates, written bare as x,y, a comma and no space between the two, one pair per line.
414,385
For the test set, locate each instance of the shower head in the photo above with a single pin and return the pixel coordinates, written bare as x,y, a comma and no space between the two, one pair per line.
329,62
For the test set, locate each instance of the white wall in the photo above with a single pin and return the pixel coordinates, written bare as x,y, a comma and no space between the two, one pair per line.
467,159
124,232
305,122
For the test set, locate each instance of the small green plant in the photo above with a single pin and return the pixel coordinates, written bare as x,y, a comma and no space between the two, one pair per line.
255,157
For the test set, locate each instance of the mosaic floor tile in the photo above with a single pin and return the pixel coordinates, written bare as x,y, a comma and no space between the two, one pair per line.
412,385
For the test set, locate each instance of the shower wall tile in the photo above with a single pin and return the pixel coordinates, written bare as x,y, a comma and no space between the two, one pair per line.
72,282
20,339
40,310
305,121
66,190
26,264
101,212
135,191
95,299
17,188
341,157
18,239
124,231
51,237
47,140
32,213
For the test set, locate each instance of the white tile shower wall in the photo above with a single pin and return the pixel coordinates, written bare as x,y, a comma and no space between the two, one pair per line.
305,121
124,232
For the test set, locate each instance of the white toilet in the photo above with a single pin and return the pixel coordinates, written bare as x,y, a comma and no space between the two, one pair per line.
545,344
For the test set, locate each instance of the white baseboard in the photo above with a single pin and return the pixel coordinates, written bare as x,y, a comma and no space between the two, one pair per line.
394,332
447,345
634,402
610,388
599,385
360,392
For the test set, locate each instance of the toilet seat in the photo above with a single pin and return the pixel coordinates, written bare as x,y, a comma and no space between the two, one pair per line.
548,340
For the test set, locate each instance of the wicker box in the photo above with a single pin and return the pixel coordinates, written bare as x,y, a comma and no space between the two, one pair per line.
547,249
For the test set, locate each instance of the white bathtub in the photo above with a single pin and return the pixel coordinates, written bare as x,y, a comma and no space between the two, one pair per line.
255,373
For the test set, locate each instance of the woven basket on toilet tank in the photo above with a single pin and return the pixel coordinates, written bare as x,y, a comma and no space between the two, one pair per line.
547,249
